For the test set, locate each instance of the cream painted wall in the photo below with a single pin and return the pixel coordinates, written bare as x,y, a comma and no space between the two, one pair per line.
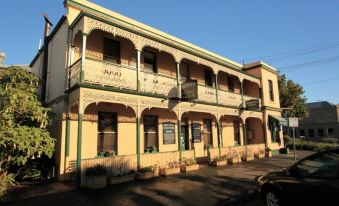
255,128
163,116
228,130
57,64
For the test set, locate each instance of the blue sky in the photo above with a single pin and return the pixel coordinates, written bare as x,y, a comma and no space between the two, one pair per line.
237,29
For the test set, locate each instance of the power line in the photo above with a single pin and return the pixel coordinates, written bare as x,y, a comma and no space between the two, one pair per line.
313,63
298,52
321,81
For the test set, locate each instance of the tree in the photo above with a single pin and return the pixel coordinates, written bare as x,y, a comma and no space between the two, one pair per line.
23,122
292,96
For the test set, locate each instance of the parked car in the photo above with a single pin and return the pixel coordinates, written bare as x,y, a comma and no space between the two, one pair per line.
313,180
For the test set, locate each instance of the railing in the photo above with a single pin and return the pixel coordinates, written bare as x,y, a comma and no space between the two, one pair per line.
110,74
207,94
74,74
114,165
158,84
229,98
161,158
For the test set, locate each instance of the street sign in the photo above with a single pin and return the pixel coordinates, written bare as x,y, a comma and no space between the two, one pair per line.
293,122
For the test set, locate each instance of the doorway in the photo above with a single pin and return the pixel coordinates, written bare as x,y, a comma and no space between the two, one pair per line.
184,137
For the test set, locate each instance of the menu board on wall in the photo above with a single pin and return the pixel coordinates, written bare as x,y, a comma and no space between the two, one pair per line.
196,132
168,133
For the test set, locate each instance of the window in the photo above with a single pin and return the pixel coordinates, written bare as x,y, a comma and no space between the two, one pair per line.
230,84
107,134
150,63
330,132
275,131
270,89
168,133
321,132
208,78
150,133
111,50
320,166
236,127
184,71
302,133
311,133
207,132
196,132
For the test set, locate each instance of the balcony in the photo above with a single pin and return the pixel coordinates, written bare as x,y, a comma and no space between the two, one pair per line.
118,76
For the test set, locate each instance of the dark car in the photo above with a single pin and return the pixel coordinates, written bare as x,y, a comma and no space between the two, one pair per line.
313,180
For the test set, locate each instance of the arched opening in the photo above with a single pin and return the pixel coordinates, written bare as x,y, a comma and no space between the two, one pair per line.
109,129
199,131
158,131
254,131
232,130
251,89
229,83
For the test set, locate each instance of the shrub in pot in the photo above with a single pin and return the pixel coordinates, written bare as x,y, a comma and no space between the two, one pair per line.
233,157
122,177
147,172
188,164
247,155
170,168
219,161
96,177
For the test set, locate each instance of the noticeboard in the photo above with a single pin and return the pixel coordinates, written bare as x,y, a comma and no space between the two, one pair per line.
168,133
189,90
293,122
252,104
196,132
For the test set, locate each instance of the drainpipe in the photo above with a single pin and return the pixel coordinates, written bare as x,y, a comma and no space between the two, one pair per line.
48,25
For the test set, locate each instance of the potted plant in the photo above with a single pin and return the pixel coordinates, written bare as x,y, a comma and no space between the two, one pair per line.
147,172
233,157
219,161
96,177
121,177
170,168
247,155
260,154
188,164
268,152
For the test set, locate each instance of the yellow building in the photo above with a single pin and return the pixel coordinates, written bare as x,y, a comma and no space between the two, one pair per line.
128,96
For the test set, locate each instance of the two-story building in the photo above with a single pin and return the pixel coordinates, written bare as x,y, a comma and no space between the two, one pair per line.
128,96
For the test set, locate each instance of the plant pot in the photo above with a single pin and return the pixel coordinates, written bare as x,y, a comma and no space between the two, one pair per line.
259,155
169,171
96,182
122,179
188,168
234,160
248,158
269,154
146,175
219,163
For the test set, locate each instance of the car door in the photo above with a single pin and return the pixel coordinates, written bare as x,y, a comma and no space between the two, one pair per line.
317,178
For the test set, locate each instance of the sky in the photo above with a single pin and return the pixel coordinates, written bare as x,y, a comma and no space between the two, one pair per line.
299,38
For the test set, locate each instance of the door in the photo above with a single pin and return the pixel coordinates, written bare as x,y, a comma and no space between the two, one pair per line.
184,137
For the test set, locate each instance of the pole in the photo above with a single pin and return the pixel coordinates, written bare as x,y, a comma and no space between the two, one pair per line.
295,155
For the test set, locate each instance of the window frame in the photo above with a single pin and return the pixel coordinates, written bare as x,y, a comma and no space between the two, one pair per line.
207,73
188,71
115,126
206,132
230,83
155,68
156,133
109,58
236,124
270,90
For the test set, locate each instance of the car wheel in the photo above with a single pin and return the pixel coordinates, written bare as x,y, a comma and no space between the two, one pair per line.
272,198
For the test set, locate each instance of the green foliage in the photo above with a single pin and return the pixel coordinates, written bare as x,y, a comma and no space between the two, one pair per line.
302,144
292,96
97,170
23,120
5,181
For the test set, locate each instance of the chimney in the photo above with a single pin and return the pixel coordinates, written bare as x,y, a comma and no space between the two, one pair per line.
2,58
48,25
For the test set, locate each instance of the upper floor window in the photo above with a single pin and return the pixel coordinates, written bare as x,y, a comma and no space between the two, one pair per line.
111,50
184,71
270,89
230,84
150,62
208,78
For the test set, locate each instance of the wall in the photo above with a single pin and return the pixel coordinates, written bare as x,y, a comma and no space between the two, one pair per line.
57,64
255,127
228,130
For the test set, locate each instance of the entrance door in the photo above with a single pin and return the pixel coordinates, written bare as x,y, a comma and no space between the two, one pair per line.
184,136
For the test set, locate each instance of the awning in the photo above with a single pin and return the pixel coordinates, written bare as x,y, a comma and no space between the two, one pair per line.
282,121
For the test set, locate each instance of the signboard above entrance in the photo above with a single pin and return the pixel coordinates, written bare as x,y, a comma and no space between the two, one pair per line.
252,104
189,90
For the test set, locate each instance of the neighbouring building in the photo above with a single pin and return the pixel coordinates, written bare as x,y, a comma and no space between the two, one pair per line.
322,122
128,96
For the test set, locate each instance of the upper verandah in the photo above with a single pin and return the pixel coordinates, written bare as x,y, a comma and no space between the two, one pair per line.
79,8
